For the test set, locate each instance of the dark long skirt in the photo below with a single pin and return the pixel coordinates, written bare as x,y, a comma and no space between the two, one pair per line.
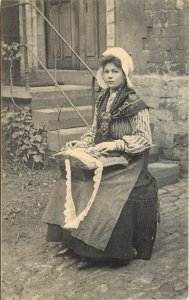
135,231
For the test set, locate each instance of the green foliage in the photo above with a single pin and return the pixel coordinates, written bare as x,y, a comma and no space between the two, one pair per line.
21,141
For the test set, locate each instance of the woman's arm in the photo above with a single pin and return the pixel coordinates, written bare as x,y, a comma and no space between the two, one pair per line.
140,138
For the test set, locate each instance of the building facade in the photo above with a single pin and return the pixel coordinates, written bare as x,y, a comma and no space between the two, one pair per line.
154,33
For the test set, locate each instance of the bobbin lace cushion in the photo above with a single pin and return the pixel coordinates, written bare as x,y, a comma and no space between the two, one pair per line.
89,158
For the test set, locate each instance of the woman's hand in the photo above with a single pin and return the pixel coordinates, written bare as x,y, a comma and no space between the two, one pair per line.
106,147
74,143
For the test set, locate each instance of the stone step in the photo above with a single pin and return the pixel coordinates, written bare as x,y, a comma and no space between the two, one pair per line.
154,153
165,172
51,97
58,138
78,77
68,117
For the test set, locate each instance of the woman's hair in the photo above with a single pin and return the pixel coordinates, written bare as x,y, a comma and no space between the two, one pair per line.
110,59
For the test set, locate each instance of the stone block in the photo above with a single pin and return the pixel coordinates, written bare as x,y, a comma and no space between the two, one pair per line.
179,81
171,4
171,105
163,126
18,92
145,87
177,56
166,92
157,56
58,139
183,114
181,140
167,153
73,77
183,93
182,43
161,115
152,101
145,92
153,32
151,44
181,126
146,81
68,117
110,5
187,68
110,17
178,68
155,5
182,4
149,19
168,43
167,138
164,173
160,18
173,17
154,153
50,97
181,154
175,31
183,17
159,68
177,4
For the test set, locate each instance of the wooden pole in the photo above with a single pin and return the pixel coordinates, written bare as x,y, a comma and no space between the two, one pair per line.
26,65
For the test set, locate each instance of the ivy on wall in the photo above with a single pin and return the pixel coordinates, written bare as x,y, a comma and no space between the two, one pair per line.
21,142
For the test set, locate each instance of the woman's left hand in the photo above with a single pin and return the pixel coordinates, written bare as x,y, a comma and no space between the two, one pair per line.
106,147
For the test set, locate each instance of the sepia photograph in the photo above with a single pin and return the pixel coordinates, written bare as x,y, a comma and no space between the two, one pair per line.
94,149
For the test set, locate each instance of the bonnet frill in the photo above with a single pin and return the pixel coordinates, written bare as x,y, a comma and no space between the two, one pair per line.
126,63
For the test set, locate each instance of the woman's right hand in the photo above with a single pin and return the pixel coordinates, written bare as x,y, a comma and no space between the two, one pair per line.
74,143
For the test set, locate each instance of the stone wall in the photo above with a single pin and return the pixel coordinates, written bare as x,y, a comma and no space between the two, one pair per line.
168,98
167,36
130,29
155,33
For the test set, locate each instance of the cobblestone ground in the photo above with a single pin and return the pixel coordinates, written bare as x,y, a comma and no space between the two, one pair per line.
39,275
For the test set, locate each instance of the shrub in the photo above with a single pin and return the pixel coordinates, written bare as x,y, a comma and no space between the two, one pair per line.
21,141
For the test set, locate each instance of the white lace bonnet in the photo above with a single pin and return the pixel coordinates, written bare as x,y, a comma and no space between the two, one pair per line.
126,63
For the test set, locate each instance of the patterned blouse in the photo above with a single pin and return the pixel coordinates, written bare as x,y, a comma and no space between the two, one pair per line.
131,134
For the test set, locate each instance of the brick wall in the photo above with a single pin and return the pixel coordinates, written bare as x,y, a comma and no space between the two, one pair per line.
168,98
166,41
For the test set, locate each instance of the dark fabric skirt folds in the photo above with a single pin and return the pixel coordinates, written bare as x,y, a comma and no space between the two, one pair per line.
134,233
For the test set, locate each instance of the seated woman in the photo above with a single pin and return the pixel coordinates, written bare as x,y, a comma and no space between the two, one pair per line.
118,222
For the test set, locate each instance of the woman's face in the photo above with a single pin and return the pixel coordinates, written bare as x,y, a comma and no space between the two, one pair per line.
113,76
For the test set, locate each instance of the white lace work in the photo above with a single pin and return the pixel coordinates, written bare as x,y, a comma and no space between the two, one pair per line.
71,220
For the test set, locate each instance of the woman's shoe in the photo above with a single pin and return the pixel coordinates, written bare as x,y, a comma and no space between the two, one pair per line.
85,264
62,252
